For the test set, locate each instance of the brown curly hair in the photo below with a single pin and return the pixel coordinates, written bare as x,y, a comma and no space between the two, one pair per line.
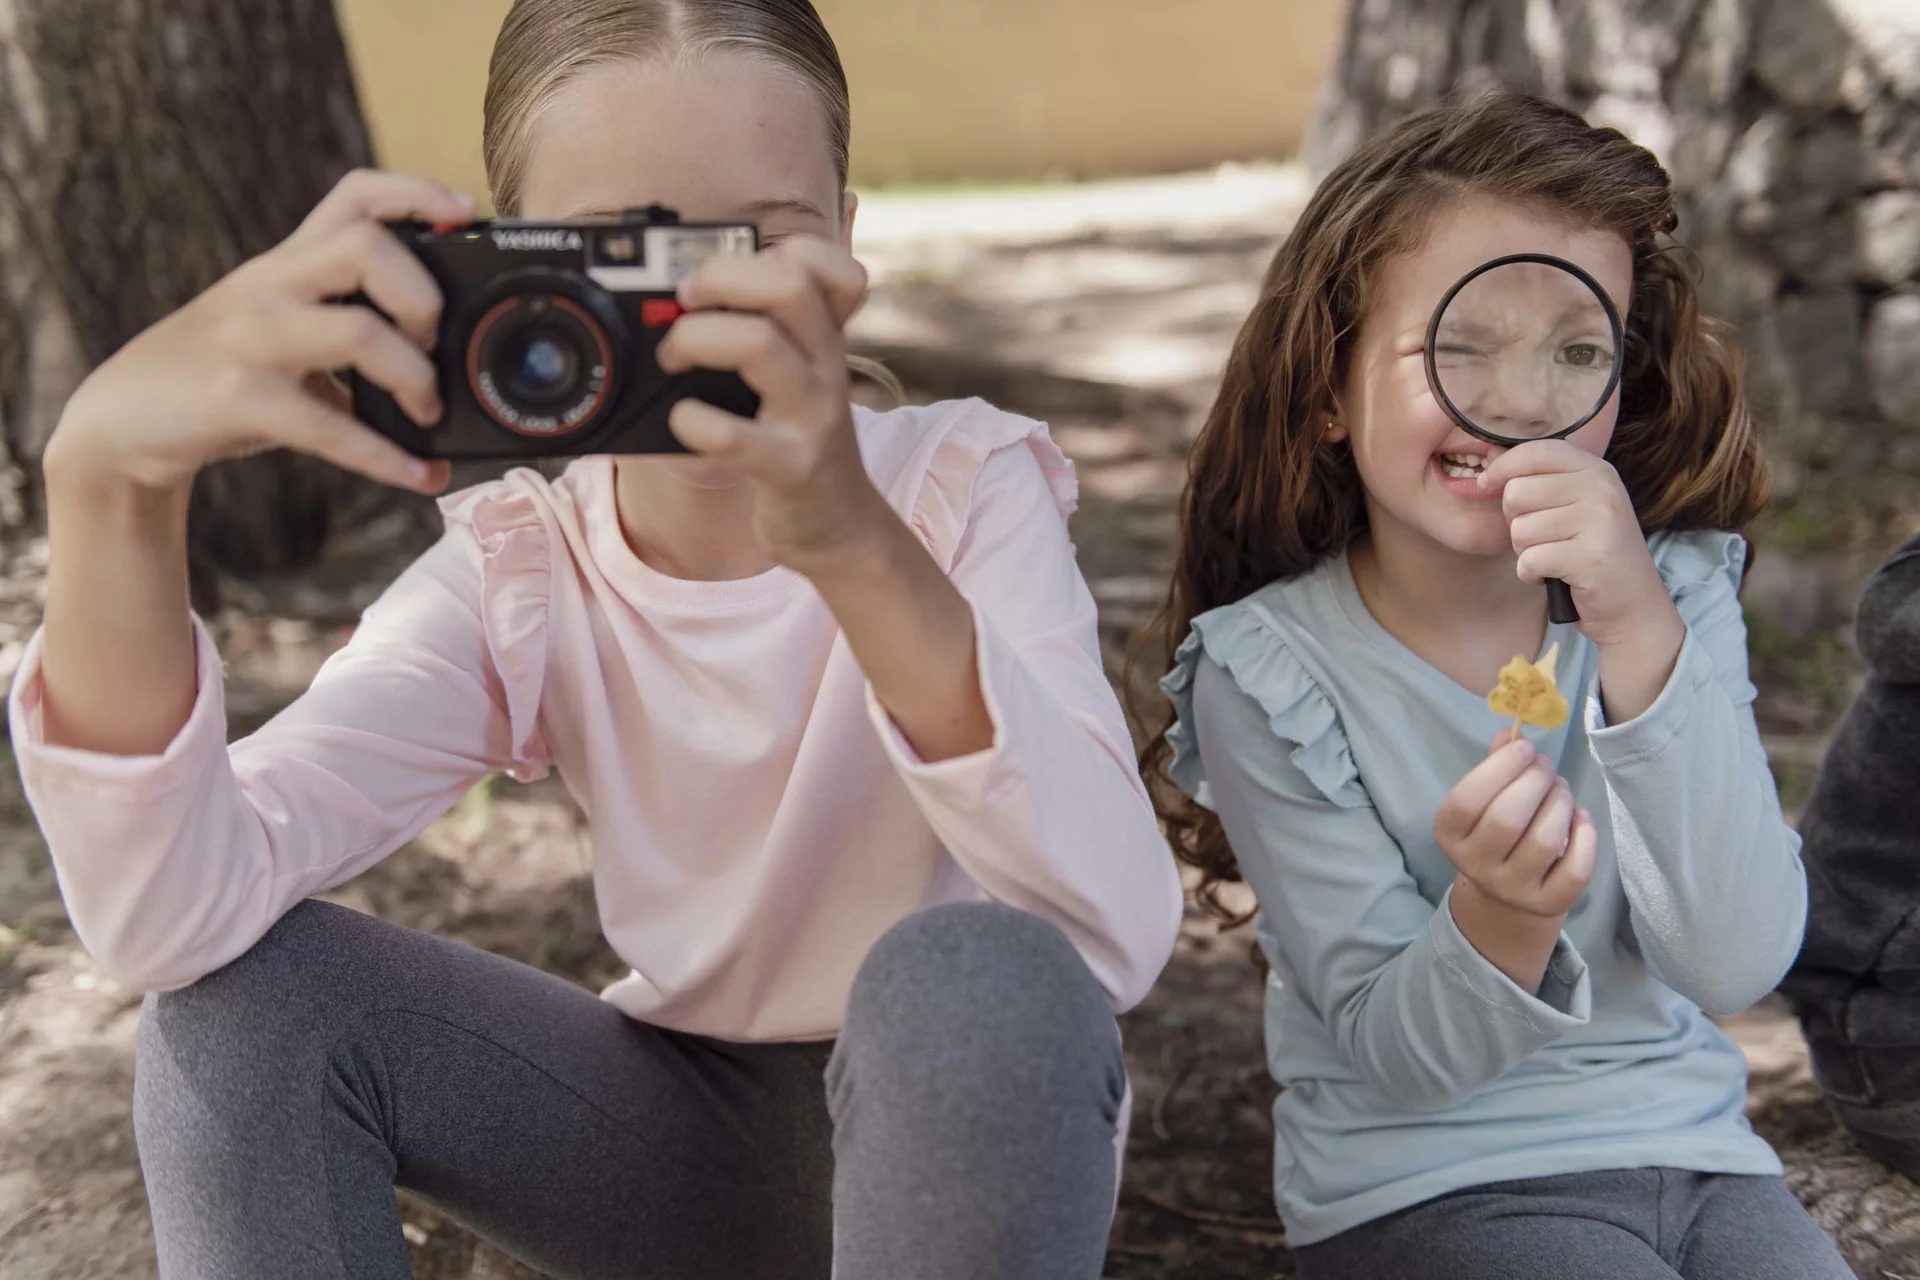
1268,494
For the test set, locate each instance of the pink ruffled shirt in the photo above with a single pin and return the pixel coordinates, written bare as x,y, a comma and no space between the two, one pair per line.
758,821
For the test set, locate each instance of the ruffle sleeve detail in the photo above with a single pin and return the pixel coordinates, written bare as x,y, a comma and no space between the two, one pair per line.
1691,560
516,577
974,432
1247,647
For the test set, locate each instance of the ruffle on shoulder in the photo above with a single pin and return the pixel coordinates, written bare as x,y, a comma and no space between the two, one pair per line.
1693,559
1249,648
958,446
508,518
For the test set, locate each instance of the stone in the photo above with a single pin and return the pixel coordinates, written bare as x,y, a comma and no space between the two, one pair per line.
1904,455
1735,284
1888,34
1545,30
1817,252
1893,358
1713,63
1700,148
1794,188
1645,120
1830,155
1820,343
1801,52
1785,588
1892,132
1740,289
1890,236
1755,168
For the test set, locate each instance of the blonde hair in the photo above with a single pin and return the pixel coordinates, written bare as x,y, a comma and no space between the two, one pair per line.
545,45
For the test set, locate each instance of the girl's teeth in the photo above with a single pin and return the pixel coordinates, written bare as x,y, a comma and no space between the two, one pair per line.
1461,468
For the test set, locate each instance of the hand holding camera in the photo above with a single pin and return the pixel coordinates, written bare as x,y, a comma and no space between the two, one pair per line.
777,320
245,366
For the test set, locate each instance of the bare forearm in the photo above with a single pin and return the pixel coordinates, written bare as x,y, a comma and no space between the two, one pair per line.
912,633
1514,942
118,657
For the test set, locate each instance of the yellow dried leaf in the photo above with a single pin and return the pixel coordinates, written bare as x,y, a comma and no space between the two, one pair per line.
1527,694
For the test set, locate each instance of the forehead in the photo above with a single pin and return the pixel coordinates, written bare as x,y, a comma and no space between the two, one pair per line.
1528,294
714,136
1476,230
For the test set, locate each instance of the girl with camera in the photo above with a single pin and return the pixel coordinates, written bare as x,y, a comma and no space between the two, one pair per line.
866,822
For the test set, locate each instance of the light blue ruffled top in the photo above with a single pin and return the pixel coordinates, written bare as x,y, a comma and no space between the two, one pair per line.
1412,1066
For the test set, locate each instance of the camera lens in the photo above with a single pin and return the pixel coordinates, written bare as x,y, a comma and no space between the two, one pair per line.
538,367
540,363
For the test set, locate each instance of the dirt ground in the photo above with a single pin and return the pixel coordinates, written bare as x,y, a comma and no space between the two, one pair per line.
1095,315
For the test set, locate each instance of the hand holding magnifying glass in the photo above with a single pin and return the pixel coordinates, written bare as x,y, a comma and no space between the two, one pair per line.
1525,348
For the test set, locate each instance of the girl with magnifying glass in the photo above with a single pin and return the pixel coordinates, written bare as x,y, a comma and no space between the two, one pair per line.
1476,368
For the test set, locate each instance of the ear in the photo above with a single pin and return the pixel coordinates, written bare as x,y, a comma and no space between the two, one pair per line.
1336,427
850,206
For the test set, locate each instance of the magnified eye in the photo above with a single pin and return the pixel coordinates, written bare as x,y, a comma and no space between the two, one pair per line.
1458,350
1584,355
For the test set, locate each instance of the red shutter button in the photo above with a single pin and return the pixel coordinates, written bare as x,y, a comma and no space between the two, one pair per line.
658,313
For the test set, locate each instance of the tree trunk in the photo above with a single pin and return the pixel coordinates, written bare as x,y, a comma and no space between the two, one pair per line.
146,148
1792,130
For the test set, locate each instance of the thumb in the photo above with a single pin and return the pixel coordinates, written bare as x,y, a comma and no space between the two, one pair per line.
1583,847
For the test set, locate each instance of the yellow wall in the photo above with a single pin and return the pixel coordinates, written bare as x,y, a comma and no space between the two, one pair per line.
421,69
942,89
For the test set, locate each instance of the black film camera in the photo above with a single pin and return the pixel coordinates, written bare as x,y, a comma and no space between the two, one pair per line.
548,333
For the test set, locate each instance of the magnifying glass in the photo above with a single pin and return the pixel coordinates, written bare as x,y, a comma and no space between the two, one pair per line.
1523,348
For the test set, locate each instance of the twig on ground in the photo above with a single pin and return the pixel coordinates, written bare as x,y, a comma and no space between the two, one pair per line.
1214,1218
1160,1103
28,1216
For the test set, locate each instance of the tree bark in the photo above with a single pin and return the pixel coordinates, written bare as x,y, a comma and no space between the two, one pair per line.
1792,130
147,147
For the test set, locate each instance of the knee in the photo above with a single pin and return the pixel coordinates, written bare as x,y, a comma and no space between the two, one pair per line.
986,982
223,1061
253,1000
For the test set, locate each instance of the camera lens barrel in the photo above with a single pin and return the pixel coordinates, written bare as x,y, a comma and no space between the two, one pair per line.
543,358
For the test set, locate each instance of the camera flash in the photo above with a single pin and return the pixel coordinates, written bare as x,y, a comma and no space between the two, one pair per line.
619,248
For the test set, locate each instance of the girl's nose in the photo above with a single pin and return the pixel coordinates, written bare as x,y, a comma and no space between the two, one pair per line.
1519,402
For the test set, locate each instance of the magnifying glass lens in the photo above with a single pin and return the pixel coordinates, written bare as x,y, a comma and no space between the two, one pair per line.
1523,350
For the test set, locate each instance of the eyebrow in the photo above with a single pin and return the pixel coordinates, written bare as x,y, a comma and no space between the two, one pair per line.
757,210
1465,329
1574,315
762,208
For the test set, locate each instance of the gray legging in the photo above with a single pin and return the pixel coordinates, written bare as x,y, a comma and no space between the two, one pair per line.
1616,1224
962,1126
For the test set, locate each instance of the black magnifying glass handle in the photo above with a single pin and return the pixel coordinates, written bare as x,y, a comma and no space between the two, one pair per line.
1522,349
1560,602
